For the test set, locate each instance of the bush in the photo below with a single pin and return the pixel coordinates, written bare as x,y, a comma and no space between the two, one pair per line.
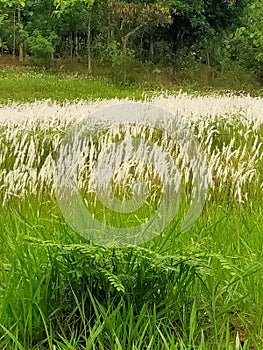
41,48
245,47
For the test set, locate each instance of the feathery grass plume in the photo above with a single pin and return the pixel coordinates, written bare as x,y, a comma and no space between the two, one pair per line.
229,130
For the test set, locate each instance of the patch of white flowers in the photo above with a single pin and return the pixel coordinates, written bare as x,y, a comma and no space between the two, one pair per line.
229,129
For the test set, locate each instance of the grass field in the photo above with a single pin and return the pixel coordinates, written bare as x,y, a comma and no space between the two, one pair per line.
199,290
26,84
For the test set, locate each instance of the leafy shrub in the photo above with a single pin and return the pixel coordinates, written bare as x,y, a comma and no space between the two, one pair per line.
245,47
41,48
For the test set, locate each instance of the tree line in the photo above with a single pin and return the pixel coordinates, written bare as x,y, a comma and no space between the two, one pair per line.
216,33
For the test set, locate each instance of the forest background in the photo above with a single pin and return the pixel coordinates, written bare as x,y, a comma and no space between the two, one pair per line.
169,41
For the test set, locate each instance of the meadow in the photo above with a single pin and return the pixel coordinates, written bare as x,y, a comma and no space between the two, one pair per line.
202,289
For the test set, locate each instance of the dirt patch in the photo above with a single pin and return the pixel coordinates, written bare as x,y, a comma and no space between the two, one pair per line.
11,61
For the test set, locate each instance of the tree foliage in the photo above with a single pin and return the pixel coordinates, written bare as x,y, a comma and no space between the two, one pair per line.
246,46
181,32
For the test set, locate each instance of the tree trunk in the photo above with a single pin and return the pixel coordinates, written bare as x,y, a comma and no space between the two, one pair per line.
208,59
21,44
76,46
71,46
89,44
14,34
141,47
21,53
125,39
151,49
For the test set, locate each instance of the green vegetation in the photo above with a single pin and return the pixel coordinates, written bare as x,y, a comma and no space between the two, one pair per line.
198,290
189,40
201,290
26,85
20,84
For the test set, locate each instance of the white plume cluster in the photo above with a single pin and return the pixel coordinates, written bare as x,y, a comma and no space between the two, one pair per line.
229,130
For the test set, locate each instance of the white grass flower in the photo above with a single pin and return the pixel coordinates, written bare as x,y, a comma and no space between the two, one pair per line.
31,135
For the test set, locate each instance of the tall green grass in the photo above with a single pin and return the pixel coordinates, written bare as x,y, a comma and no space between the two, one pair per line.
193,290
